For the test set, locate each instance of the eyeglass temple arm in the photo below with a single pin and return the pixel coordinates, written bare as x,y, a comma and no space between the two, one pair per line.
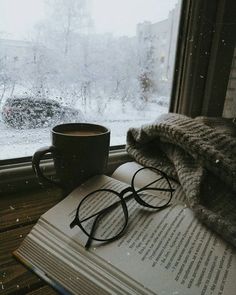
93,229
99,215
146,186
127,198
156,189
106,210
90,237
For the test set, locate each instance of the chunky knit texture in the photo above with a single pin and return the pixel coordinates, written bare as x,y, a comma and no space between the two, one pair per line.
200,154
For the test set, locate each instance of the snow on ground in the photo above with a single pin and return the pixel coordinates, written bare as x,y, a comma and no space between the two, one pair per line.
23,143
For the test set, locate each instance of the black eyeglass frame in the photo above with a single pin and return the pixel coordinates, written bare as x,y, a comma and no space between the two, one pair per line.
122,201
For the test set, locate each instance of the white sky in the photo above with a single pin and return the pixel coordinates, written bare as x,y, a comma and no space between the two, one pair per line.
17,17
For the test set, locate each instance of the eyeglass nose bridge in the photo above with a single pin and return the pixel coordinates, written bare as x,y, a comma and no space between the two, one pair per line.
128,189
132,194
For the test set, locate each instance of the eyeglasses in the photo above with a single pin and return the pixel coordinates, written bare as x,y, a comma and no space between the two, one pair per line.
103,214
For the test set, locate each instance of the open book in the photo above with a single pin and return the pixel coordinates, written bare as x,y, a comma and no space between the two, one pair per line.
161,252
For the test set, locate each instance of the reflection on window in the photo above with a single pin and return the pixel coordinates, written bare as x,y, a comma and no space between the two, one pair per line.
104,61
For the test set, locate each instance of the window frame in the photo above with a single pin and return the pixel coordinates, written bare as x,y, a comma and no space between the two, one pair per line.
200,80
190,94
21,177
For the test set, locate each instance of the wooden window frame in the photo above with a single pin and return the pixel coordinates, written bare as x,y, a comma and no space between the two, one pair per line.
203,58
21,177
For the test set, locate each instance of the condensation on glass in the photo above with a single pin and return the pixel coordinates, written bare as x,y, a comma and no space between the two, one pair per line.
103,61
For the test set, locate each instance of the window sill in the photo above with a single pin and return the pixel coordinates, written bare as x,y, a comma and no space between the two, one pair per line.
20,176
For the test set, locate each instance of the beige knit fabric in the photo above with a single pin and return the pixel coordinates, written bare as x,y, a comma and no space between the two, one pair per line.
201,154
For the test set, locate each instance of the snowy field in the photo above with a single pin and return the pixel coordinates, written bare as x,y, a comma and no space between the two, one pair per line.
23,143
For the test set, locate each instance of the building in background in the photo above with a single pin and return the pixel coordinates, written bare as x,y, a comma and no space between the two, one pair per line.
157,48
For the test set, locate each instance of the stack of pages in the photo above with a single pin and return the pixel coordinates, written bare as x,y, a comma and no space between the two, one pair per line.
161,252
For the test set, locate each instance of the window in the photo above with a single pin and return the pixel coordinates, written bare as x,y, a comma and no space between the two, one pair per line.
104,61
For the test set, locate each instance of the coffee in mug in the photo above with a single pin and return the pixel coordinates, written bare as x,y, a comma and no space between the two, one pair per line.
79,151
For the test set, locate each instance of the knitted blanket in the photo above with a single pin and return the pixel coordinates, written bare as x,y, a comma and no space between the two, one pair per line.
200,154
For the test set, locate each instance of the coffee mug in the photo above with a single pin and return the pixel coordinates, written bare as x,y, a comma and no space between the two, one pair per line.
79,151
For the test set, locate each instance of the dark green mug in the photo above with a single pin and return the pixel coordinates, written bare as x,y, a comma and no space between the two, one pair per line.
79,151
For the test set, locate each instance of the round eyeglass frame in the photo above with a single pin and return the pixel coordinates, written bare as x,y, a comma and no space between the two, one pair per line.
122,200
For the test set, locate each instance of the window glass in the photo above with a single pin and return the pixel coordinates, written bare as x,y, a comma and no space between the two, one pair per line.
104,61
230,100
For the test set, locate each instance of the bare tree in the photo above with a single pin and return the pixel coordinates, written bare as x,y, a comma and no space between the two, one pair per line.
67,19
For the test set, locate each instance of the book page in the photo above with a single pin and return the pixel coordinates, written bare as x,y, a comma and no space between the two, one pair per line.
125,172
166,251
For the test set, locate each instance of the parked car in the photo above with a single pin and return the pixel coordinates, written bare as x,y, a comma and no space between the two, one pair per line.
27,112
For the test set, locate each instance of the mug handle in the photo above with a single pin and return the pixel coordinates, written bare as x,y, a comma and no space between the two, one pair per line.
36,165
